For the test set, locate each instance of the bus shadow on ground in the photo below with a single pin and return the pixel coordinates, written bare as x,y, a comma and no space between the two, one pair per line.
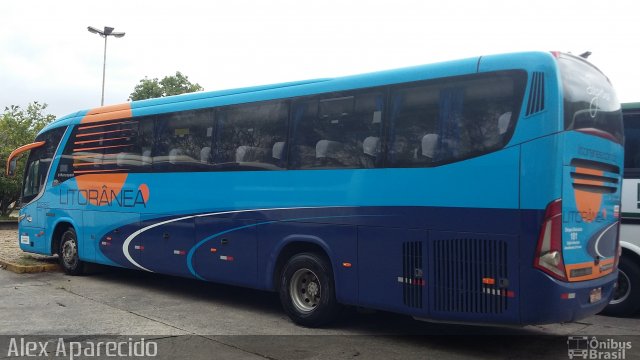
356,320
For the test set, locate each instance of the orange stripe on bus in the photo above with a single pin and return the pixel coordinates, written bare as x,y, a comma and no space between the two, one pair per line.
98,171
101,133
92,155
100,147
588,171
85,127
93,141
106,113
587,182
94,163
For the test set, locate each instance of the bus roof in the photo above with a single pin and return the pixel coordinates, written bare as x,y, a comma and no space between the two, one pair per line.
199,100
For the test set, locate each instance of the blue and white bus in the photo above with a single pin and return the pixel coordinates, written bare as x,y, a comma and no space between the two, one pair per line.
482,190
626,297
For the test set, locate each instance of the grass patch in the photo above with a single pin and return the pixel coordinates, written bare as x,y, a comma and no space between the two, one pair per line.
28,260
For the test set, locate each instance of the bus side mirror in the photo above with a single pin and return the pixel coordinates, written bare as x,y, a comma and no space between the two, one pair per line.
12,167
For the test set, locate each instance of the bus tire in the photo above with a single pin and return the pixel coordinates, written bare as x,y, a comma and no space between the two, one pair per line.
307,290
69,258
626,298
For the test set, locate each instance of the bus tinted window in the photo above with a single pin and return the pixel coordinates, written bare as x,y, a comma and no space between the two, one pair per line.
341,131
440,121
632,145
251,137
100,148
589,99
182,141
39,162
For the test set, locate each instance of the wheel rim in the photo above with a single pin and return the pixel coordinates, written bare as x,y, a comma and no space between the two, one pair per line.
69,253
623,288
305,290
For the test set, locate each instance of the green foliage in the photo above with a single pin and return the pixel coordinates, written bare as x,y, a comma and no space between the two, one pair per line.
168,86
17,127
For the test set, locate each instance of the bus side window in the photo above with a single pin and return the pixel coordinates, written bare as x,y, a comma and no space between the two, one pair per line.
179,140
341,131
413,133
251,136
444,121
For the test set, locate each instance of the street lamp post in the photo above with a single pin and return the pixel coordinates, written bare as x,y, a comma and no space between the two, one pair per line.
108,31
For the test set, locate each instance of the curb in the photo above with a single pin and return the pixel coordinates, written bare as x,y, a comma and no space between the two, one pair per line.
8,224
28,269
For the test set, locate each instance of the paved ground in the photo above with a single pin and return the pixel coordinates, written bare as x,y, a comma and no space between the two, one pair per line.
240,323
244,323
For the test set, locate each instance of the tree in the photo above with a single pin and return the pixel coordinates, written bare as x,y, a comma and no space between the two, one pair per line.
169,85
17,127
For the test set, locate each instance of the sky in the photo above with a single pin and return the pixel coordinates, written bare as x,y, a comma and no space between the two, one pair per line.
47,54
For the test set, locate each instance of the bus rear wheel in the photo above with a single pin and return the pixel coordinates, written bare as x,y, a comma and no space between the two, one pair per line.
626,296
307,291
69,258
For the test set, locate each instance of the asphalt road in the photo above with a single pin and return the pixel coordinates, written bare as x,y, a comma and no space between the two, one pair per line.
193,319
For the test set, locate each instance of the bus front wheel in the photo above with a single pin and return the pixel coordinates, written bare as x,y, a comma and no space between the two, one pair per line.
307,291
68,256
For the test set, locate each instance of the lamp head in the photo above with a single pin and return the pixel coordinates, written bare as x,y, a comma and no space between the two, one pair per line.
94,30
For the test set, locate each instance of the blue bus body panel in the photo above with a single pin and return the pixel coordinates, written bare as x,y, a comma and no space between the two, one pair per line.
411,244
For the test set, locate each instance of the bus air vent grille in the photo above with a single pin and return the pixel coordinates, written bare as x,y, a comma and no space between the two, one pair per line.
536,94
412,272
470,276
591,176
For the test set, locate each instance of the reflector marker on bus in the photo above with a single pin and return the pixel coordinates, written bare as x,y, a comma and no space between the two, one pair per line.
139,247
567,296
498,292
489,281
226,258
179,252
419,282
213,250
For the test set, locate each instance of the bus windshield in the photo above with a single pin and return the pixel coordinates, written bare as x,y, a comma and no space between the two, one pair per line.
38,164
589,98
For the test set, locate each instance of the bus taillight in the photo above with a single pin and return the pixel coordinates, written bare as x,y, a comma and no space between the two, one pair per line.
549,250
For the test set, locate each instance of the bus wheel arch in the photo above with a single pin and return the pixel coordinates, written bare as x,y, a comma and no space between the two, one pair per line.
60,229
304,278
626,301
64,242
295,245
